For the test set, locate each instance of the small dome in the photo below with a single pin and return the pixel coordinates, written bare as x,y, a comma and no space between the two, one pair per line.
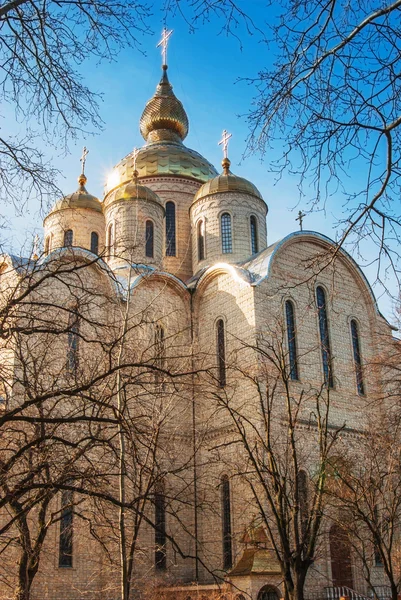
227,182
79,199
164,116
132,191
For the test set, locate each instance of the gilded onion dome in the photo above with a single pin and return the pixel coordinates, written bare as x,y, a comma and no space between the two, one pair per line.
227,182
164,124
164,117
79,199
132,191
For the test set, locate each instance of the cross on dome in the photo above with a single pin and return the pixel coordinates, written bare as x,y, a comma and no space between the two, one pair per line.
300,218
82,160
166,34
224,141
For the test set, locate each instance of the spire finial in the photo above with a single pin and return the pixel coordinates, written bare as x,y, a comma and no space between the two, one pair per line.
224,143
166,34
82,179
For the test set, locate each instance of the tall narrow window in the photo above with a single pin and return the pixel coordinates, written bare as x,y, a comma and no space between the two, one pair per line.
302,481
324,336
160,532
66,529
356,348
94,242
221,353
201,240
73,343
226,521
160,351
254,235
170,229
68,238
110,238
47,245
226,234
292,342
149,240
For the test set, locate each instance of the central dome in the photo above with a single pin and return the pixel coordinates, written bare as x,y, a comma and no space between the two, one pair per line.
164,116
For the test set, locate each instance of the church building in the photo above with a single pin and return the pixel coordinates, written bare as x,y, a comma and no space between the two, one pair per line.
176,257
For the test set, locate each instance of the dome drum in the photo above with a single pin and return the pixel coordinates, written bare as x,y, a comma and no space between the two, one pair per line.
134,226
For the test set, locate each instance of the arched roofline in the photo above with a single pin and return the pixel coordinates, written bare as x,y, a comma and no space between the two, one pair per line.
238,274
86,256
324,241
146,272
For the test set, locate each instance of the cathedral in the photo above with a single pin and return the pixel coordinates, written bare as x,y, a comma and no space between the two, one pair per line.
176,257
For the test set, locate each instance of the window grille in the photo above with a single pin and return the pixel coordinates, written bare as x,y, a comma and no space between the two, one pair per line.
226,521
170,229
254,235
149,241
226,234
292,342
357,357
201,240
221,353
94,242
324,336
66,529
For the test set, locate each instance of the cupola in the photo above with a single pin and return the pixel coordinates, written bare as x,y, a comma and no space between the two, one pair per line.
228,219
75,220
134,225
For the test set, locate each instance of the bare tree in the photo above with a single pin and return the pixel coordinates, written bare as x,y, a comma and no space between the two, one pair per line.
42,45
281,441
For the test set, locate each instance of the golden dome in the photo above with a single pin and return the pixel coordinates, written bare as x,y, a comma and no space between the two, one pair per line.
79,199
227,182
167,159
132,191
164,114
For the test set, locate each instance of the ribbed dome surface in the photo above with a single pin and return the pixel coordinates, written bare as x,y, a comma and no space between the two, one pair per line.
132,191
79,199
164,112
227,182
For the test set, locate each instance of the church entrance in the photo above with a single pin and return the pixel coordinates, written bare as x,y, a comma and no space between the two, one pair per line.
340,553
268,593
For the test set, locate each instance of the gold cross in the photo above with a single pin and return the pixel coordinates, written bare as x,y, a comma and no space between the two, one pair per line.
224,141
163,44
85,153
300,218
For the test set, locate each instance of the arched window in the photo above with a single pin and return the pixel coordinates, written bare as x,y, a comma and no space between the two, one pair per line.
356,348
254,235
226,234
94,242
149,239
160,351
221,353
291,337
324,336
170,229
68,238
47,245
110,238
73,343
302,481
201,240
226,521
160,531
268,593
66,529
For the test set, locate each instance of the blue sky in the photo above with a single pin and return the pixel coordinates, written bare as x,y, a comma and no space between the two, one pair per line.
205,69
